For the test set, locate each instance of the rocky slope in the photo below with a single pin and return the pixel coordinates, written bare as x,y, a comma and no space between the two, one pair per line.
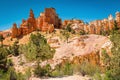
79,49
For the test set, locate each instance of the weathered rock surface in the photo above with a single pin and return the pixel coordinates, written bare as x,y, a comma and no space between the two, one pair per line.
47,21
118,19
94,27
5,33
79,49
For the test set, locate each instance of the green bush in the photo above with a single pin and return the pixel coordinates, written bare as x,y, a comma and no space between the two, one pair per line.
97,76
82,32
10,74
57,72
42,71
65,35
113,62
14,49
25,76
88,69
68,28
37,48
3,58
1,39
67,69
62,70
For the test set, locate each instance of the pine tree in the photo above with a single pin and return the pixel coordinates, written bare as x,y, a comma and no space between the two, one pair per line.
113,64
1,39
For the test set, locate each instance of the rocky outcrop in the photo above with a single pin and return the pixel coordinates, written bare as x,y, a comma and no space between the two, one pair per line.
47,21
26,27
118,19
94,27
14,30
5,33
79,49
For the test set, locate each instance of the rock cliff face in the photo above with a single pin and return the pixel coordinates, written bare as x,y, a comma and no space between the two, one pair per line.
94,27
79,49
5,33
47,21
118,18
14,30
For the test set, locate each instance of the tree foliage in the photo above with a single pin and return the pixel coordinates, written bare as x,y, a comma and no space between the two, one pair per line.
37,48
3,57
43,71
113,62
66,35
14,49
1,39
69,29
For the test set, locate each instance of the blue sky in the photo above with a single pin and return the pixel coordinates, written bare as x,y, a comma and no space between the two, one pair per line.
12,11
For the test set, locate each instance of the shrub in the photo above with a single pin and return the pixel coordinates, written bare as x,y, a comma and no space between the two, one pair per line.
98,76
14,49
42,71
62,70
67,68
57,72
1,39
113,64
88,69
3,58
9,62
68,28
25,76
37,48
82,32
65,35
76,68
12,74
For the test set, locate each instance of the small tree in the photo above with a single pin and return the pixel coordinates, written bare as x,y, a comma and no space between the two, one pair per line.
113,62
14,49
3,58
37,48
66,35
115,26
12,73
68,28
43,71
1,39
82,32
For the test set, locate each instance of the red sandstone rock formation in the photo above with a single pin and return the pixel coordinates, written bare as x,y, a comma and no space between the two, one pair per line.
29,25
14,31
111,22
26,27
94,27
118,18
5,33
47,21
48,18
